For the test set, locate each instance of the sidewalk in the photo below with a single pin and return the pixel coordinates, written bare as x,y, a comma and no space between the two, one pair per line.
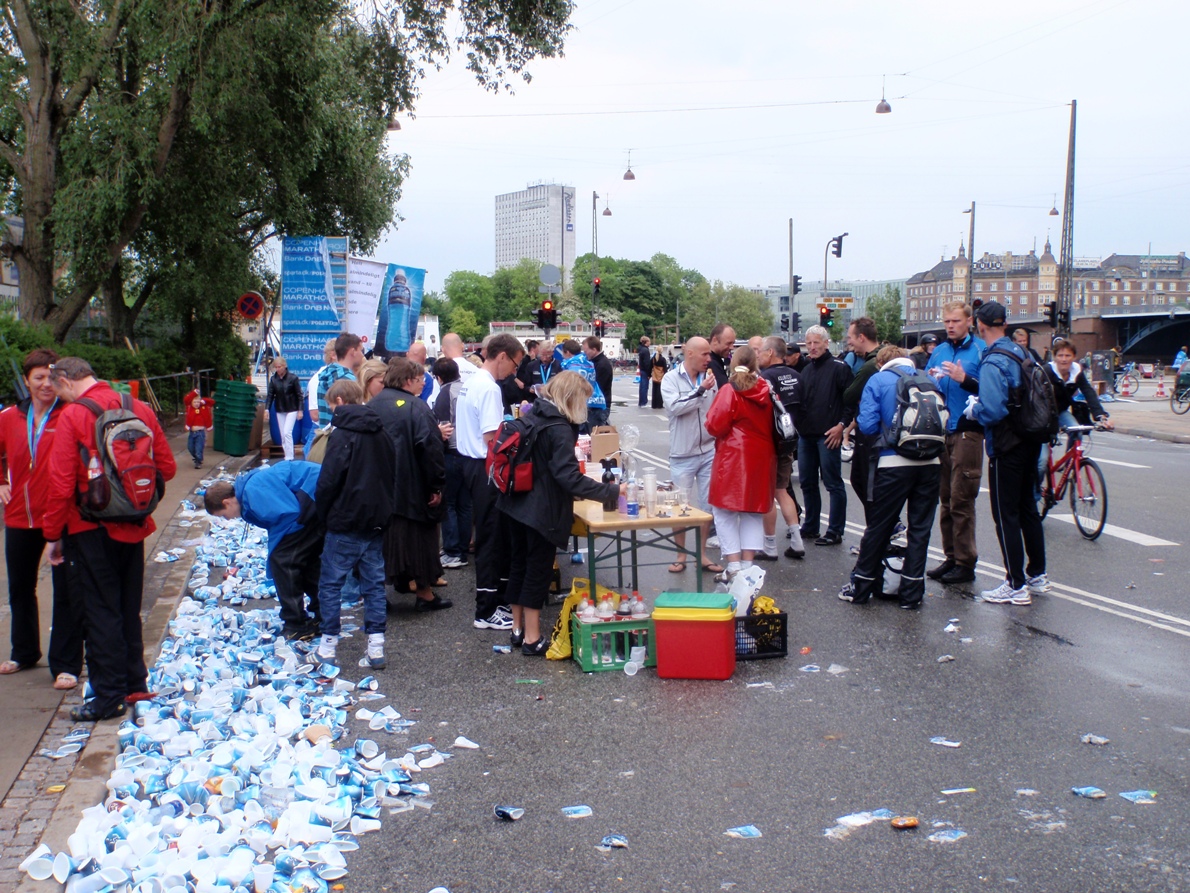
34,715
1147,415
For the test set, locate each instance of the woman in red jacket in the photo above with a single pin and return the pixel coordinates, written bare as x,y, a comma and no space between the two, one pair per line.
26,436
744,474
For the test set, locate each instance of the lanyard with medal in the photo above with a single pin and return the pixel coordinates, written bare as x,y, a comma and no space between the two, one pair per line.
35,438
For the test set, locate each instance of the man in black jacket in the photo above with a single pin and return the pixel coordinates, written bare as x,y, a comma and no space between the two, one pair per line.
644,366
863,338
284,398
593,348
355,508
722,340
820,432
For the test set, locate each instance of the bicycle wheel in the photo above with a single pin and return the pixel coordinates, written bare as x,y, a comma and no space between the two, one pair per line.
1129,384
1179,400
1088,499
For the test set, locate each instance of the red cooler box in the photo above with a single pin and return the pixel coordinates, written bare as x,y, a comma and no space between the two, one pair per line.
695,634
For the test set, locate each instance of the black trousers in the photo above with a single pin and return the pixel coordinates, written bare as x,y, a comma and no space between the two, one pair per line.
1012,476
531,567
23,549
493,556
108,577
296,564
917,486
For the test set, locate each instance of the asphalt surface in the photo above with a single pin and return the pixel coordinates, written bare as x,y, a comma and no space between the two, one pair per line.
674,764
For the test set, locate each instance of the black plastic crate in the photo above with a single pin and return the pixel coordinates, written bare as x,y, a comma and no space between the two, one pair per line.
761,635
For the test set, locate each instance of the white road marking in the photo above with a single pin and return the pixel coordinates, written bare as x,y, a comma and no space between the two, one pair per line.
1168,622
1103,461
656,459
1132,536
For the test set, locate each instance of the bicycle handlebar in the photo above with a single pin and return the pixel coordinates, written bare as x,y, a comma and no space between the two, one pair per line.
1082,429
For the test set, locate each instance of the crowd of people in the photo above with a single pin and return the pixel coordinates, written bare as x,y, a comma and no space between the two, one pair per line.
427,431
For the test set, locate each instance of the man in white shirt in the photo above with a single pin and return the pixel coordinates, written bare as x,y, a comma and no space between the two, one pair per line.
452,348
478,414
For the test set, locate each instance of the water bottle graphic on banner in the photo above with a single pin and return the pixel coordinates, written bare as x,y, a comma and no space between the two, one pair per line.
400,300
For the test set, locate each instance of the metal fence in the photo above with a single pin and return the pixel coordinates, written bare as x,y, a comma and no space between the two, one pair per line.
168,392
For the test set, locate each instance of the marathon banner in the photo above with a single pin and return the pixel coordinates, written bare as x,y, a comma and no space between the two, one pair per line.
400,306
308,315
365,282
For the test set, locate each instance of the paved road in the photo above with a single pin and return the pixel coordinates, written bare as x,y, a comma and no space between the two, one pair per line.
674,764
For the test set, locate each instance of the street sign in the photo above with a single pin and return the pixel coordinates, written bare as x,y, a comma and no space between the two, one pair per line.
549,289
549,275
250,305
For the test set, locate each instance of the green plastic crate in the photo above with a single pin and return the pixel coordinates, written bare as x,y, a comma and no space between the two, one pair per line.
591,642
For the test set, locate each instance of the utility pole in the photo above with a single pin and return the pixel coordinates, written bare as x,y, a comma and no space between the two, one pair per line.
1066,263
971,255
791,297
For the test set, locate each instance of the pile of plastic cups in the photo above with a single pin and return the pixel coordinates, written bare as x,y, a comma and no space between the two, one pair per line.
229,780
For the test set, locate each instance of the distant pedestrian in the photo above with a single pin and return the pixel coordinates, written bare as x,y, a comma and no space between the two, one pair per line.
1012,466
105,559
861,334
660,367
354,507
1020,337
786,383
456,496
921,358
899,481
644,368
199,421
283,398
744,474
1180,358
27,433
820,436
593,348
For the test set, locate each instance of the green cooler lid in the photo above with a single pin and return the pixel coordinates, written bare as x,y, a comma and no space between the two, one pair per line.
708,600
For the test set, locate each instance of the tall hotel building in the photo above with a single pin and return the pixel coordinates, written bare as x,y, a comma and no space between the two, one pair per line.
538,223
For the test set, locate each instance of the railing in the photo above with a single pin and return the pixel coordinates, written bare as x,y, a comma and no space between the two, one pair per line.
169,391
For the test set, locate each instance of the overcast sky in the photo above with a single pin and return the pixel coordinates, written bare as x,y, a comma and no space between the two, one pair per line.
741,115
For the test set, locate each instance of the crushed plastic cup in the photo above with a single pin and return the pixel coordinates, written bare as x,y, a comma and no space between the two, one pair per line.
948,835
508,813
744,832
1089,792
1141,797
631,668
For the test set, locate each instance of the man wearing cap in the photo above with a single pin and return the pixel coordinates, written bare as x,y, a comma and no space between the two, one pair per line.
1012,465
955,366
921,358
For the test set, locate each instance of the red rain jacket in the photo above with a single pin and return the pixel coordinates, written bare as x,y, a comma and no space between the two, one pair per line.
29,482
744,475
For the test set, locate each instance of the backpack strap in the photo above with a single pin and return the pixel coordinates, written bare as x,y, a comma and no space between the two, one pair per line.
95,408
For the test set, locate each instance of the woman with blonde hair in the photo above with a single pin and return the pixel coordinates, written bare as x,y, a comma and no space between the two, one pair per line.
744,473
540,520
371,377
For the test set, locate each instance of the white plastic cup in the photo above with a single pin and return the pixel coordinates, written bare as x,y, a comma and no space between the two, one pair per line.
631,668
262,877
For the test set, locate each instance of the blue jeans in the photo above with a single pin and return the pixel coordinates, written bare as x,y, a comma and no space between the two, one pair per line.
456,527
342,552
646,378
196,443
814,457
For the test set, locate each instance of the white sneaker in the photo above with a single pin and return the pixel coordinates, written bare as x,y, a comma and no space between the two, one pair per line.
1039,585
327,646
1004,594
712,542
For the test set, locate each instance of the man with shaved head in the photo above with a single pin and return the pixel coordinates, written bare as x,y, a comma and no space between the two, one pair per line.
687,391
417,353
452,348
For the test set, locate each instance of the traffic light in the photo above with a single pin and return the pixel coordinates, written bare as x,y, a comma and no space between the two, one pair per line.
595,287
797,285
598,328
784,322
1051,314
1064,319
795,322
824,317
547,316
837,245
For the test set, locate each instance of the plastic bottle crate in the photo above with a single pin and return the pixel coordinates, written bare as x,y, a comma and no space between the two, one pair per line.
761,635
590,642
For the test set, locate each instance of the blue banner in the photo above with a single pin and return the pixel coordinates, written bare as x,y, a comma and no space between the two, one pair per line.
400,306
309,317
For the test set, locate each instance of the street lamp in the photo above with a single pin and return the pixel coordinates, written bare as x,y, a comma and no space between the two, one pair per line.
628,174
882,107
970,254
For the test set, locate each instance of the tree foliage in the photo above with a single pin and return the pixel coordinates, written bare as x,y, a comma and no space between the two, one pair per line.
885,311
139,136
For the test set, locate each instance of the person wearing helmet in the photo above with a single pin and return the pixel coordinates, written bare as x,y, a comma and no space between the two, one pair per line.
921,354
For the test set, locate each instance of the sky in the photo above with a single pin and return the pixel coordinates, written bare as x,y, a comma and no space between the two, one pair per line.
742,115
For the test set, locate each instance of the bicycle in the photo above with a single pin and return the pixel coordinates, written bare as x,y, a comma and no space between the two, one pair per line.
1126,382
1088,487
1179,394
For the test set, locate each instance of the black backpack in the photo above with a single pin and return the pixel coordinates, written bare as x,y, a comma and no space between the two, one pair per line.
918,430
1032,407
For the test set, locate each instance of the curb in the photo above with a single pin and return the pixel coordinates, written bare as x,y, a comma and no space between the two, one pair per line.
1166,436
86,780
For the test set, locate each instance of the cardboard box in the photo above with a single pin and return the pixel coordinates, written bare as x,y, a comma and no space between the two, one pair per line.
605,440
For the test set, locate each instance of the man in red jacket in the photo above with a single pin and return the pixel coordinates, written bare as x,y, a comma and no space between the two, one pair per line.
105,561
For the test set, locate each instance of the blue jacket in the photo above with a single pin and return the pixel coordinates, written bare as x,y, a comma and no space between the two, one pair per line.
278,497
997,376
878,403
584,367
966,353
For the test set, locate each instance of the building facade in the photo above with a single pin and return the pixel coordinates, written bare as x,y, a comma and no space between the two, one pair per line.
538,223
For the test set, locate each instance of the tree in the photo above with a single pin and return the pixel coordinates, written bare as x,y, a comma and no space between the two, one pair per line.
515,290
885,311
98,100
464,324
472,292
